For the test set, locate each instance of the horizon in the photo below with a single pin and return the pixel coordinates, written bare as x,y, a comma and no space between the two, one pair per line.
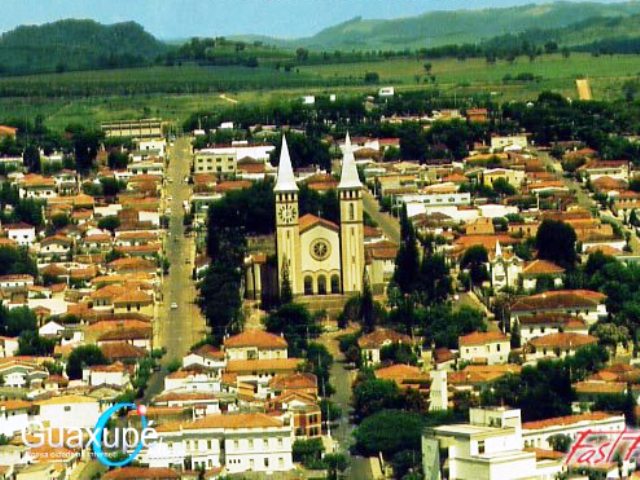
172,20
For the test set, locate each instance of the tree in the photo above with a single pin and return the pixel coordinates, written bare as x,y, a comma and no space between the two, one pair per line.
336,463
308,451
60,221
286,295
31,158
560,442
372,395
556,242
367,309
110,223
475,258
443,326
319,362
407,259
15,261
84,356
503,187
611,335
371,77
296,324
31,343
117,160
17,320
434,280
389,432
219,298
85,145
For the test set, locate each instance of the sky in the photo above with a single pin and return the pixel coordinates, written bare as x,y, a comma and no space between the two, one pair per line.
180,19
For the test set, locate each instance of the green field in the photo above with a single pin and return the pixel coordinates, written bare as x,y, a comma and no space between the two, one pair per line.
176,92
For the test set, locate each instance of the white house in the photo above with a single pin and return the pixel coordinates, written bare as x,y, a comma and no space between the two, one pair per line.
22,375
16,281
206,356
238,442
193,380
372,343
158,145
22,233
8,346
536,434
492,348
532,326
51,329
14,415
489,447
255,345
68,411
499,142
115,375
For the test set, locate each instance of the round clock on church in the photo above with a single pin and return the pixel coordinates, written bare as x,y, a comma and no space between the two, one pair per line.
286,213
320,249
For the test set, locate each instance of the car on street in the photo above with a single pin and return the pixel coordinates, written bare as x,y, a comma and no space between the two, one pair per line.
174,305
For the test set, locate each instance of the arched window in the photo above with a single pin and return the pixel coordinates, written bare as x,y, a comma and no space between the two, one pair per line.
352,212
308,285
322,285
335,284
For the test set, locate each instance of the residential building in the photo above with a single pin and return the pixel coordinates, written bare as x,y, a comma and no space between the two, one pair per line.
21,233
372,343
537,433
557,345
588,304
489,447
255,345
238,442
489,348
14,415
138,129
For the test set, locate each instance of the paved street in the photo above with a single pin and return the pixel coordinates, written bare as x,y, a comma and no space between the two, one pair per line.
177,329
389,225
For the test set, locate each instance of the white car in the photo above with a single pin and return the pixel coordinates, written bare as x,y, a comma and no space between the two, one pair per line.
174,305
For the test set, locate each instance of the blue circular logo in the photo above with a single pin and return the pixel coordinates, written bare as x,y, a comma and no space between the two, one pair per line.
101,425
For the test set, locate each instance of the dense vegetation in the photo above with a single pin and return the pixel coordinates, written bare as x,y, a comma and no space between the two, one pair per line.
76,45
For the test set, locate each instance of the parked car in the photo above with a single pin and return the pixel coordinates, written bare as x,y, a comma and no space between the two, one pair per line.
174,305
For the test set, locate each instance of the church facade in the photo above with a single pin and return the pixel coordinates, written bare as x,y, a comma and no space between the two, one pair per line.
316,256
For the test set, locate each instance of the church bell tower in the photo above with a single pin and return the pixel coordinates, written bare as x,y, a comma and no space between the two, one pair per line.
350,191
287,227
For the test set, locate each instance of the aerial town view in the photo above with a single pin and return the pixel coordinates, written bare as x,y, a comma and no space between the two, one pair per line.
319,239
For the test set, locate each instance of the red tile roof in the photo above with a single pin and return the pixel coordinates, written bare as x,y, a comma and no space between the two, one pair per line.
256,338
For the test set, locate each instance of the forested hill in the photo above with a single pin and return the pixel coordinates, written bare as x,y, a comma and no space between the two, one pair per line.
439,28
76,45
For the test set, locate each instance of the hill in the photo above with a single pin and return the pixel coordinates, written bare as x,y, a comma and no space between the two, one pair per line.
439,28
76,45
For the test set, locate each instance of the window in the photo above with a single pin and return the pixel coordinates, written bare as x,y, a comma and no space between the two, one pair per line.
266,462
481,447
498,347
67,408
251,443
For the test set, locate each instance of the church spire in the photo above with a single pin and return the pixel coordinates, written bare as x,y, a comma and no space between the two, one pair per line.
349,177
286,181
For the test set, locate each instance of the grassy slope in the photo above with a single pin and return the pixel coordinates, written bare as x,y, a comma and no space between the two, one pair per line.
606,74
461,26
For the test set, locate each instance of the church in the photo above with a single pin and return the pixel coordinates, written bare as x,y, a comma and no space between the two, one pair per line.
317,256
